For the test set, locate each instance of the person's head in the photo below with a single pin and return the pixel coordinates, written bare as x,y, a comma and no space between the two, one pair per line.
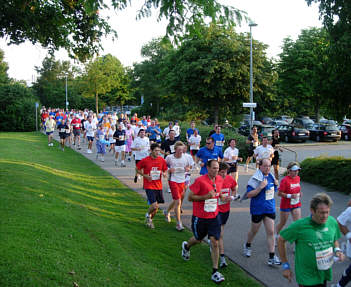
192,125
212,167
265,166
223,168
254,130
276,133
218,129
179,148
120,127
196,132
153,123
113,127
171,134
232,143
141,133
264,141
210,143
320,207
170,124
139,123
155,150
293,169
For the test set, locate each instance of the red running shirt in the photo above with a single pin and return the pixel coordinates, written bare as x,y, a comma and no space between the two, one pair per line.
203,185
290,185
229,184
153,167
76,123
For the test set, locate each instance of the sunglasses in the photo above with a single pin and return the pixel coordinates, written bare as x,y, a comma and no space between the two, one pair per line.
208,143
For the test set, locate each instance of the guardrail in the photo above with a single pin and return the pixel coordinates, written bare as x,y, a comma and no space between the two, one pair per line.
282,147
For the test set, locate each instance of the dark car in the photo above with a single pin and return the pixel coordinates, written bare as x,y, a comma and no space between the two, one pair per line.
265,131
320,132
303,122
345,132
278,123
245,128
266,120
290,133
284,118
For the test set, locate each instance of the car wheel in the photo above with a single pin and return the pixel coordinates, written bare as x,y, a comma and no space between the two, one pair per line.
286,139
346,137
318,139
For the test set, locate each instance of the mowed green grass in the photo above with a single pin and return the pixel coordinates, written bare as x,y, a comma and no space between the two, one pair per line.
65,221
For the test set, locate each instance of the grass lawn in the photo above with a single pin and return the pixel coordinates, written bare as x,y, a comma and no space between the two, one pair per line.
65,221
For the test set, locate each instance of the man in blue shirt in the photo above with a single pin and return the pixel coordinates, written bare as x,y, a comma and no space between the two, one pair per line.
190,130
260,189
218,138
154,132
210,151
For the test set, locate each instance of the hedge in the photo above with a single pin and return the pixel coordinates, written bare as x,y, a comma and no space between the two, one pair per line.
331,172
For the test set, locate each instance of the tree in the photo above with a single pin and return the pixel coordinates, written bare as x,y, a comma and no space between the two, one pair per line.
4,78
104,75
78,27
210,71
304,85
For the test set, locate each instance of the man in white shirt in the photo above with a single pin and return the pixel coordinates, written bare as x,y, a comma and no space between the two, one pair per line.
141,148
263,151
90,128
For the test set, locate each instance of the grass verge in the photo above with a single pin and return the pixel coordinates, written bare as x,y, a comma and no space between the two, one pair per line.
65,221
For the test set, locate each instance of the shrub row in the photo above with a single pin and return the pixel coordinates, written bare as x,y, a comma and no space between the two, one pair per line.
331,172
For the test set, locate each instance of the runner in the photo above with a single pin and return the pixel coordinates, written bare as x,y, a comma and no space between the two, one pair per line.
231,158
290,192
260,189
166,131
129,141
154,132
204,194
76,124
83,121
263,151
50,125
62,127
100,143
228,193
152,168
344,221
120,145
191,130
141,147
177,130
218,138
315,239
194,141
90,128
210,151
167,146
178,164
275,144
111,140
253,142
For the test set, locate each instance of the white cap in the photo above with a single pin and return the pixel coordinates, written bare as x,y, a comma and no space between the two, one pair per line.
295,167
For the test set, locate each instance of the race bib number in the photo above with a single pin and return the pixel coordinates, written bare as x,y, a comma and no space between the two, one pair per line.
68,131
210,205
101,137
294,201
155,174
62,130
255,144
158,137
121,138
325,259
171,147
225,193
269,193
219,143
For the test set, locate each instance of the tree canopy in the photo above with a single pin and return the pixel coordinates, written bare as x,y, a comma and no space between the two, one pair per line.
78,27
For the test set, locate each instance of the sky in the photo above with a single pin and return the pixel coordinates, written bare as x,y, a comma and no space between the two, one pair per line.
276,20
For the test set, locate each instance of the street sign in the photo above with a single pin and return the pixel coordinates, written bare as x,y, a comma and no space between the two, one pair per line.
67,103
37,105
249,105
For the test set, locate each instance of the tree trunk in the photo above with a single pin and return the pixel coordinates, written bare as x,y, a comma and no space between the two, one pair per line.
216,115
97,103
317,110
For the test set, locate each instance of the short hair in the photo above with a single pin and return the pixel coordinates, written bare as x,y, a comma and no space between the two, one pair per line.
178,143
211,139
209,162
171,130
260,162
319,198
264,137
154,145
231,141
223,166
141,130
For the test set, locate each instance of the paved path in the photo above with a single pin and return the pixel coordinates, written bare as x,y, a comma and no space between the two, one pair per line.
238,223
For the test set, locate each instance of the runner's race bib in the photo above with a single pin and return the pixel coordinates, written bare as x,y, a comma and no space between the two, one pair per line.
294,201
62,130
101,137
121,138
325,259
171,147
255,144
210,205
155,174
219,143
270,193
158,137
225,193
68,131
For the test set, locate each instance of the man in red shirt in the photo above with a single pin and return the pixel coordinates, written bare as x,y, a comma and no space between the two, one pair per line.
204,194
228,193
76,124
152,168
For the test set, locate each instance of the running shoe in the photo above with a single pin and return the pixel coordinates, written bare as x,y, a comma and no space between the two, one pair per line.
123,164
167,216
179,227
247,251
169,190
274,261
217,277
116,162
185,253
209,244
222,262
135,179
79,148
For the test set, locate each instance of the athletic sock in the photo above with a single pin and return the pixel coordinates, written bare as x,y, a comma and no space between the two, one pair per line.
271,255
248,245
214,270
222,255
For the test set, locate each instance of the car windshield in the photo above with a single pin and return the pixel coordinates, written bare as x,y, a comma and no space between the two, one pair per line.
331,127
309,126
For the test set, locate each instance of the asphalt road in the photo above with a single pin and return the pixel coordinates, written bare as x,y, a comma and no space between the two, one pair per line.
239,220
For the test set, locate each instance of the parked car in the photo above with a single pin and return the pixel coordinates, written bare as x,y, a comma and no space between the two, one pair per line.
320,132
278,123
244,129
284,118
303,122
265,131
266,120
345,132
290,133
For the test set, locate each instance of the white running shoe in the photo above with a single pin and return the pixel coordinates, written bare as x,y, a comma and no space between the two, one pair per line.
167,216
217,277
222,262
179,227
274,261
247,251
169,190
185,253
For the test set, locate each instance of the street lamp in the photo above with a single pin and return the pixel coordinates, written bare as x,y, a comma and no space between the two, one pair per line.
252,24
66,95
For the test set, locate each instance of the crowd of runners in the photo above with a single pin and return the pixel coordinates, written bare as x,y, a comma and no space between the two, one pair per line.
160,154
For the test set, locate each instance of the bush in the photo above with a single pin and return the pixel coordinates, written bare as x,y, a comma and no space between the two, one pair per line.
331,172
17,108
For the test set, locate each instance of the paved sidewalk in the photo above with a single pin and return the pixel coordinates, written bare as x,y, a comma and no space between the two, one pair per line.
238,223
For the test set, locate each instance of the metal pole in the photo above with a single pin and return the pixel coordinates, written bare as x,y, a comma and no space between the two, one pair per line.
66,95
251,77
36,117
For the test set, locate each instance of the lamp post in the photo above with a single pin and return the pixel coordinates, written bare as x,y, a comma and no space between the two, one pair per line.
66,95
251,78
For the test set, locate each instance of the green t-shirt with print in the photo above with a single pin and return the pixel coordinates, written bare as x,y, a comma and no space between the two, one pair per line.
314,250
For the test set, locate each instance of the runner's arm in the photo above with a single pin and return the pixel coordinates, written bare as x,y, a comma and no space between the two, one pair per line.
282,253
194,197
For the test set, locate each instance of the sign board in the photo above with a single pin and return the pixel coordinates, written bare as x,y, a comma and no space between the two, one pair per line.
67,103
37,105
249,105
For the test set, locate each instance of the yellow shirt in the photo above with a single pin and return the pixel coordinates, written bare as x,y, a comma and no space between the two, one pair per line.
50,125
